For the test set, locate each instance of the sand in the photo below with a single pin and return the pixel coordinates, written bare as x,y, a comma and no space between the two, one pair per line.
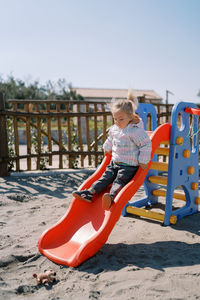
141,260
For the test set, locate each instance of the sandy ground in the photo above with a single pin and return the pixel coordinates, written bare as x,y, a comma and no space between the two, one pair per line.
141,260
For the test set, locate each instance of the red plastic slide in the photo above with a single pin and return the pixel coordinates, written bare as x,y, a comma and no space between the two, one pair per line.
86,226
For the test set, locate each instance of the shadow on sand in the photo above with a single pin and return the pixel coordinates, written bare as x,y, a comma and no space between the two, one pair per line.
158,255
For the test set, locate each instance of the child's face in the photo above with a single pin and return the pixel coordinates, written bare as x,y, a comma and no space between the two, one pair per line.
122,119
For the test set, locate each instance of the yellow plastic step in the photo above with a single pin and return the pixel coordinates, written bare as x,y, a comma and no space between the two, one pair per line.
165,142
161,166
162,151
163,193
158,179
149,214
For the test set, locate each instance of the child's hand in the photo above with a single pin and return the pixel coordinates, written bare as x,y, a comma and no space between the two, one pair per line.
107,152
143,166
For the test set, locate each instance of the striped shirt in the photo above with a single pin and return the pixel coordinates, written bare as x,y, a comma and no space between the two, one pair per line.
130,145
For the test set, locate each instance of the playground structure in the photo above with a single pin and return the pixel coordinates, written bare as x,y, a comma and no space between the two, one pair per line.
180,174
86,226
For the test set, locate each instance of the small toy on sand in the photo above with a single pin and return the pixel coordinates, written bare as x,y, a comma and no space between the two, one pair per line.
46,277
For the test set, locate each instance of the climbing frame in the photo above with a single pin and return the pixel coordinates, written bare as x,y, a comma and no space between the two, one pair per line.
177,177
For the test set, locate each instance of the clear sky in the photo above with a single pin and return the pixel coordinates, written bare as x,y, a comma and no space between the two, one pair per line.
142,44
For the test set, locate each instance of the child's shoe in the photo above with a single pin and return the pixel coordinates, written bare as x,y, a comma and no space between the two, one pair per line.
107,201
83,195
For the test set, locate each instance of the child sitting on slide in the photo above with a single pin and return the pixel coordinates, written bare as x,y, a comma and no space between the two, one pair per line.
130,146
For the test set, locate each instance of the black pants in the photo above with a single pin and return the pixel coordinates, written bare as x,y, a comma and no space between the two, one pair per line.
118,175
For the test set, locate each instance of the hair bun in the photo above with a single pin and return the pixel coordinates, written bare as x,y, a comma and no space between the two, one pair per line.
132,98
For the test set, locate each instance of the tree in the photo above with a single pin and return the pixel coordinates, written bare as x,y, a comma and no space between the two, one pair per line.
18,89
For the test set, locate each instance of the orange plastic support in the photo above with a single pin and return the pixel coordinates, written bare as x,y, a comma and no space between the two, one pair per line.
193,111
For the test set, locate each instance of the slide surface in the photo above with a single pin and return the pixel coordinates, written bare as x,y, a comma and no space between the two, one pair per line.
85,227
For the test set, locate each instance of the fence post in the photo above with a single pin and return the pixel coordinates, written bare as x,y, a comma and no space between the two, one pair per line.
3,139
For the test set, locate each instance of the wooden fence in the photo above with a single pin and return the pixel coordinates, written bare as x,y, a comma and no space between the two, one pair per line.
58,134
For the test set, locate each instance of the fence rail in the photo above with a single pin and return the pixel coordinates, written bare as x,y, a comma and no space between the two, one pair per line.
57,134
60,134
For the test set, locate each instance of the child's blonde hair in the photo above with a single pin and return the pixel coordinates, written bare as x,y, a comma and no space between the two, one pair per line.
128,105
